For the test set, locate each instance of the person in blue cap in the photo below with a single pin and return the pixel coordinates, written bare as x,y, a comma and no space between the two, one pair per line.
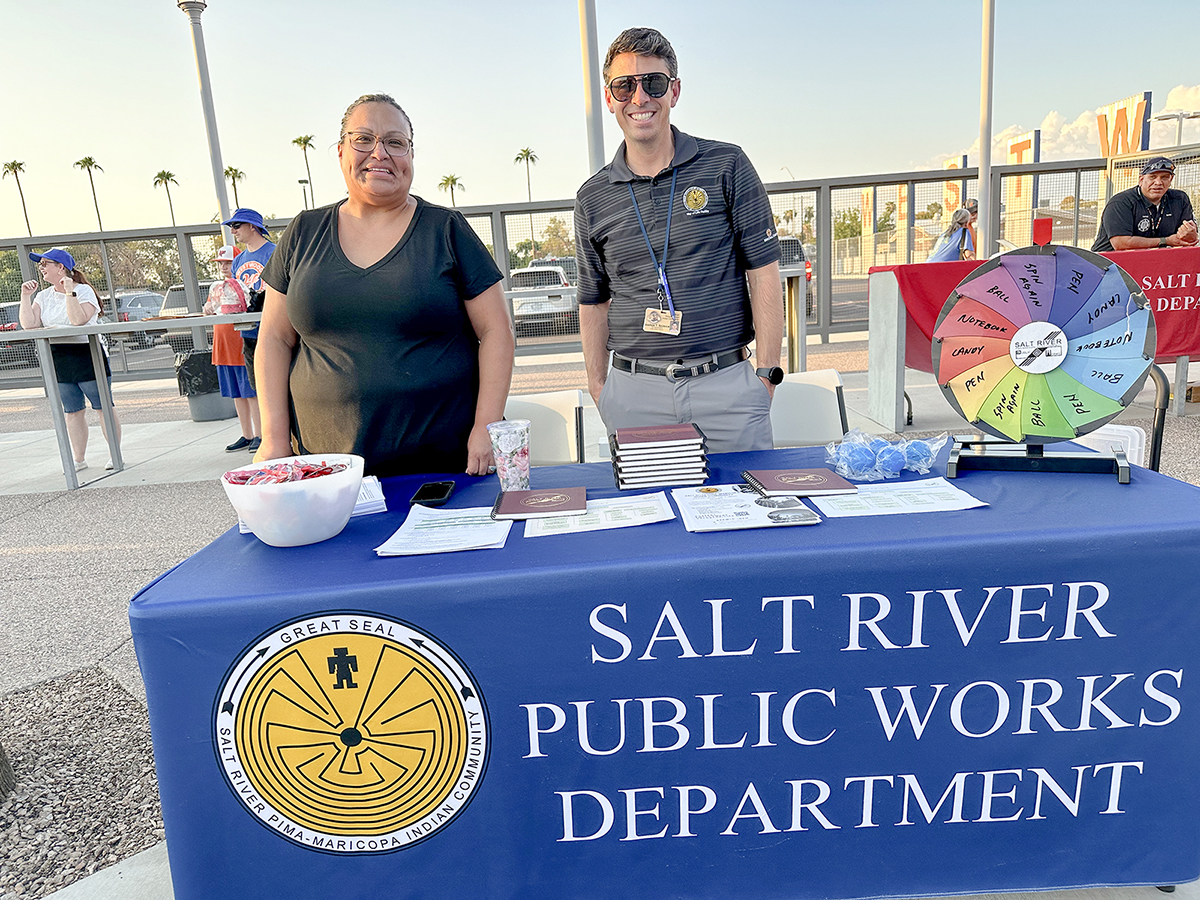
69,300
1149,215
248,229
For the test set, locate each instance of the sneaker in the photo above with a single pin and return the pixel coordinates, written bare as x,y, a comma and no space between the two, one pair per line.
80,465
240,444
253,445
109,465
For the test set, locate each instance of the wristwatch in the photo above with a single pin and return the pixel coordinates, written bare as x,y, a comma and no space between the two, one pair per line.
774,374
1162,242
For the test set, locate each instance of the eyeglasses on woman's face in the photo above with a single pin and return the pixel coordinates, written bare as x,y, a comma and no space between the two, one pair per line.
395,146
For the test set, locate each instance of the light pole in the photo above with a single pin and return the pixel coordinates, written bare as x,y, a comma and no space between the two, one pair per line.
304,191
1178,115
192,9
789,171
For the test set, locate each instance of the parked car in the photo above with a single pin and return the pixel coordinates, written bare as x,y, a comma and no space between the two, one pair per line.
537,303
566,263
793,257
135,306
14,353
175,304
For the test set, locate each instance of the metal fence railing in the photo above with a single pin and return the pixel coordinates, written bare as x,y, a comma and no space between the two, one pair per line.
840,226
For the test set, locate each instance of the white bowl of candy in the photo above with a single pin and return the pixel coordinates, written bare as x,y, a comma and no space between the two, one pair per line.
296,500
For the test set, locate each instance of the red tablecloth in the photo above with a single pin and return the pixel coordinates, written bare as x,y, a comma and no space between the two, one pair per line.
1169,278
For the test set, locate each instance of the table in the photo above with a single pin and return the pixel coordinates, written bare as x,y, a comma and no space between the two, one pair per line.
43,337
905,302
646,712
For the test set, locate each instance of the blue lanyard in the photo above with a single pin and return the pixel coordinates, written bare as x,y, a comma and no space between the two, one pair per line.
662,267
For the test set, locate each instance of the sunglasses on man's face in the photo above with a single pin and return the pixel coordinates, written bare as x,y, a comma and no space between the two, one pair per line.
655,84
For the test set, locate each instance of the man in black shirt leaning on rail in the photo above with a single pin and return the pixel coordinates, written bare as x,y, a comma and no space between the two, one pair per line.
667,236
1148,215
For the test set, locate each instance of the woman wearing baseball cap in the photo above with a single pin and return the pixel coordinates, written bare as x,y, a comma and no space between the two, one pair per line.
69,300
228,297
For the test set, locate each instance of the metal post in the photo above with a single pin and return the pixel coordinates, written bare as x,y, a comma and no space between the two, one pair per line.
193,9
593,108
984,250
825,257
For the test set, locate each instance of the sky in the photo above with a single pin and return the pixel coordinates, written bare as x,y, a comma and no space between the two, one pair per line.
811,89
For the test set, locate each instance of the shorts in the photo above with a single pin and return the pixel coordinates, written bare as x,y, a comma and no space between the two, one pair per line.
73,394
234,382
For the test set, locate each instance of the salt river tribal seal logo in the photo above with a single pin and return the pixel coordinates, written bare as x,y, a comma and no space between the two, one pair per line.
351,733
695,198
546,501
811,478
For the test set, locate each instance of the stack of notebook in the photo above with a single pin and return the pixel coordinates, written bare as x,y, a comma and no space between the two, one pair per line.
658,455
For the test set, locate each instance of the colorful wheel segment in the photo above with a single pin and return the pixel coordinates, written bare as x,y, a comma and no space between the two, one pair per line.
1043,344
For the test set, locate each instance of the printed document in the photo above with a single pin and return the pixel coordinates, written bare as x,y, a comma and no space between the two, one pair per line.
615,512
890,498
429,530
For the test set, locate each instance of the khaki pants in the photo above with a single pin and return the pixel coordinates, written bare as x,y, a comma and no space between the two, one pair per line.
731,406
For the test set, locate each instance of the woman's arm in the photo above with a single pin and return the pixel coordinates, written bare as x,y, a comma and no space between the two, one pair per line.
79,311
489,317
30,313
272,364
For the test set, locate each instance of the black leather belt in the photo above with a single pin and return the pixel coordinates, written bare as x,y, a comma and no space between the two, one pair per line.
677,370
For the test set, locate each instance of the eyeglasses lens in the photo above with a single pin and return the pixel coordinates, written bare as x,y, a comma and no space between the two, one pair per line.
654,84
365,142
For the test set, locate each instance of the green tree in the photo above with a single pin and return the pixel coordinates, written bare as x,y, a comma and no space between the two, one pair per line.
305,143
15,168
932,211
234,176
789,219
165,179
1068,202
887,222
847,224
521,255
88,163
450,183
556,239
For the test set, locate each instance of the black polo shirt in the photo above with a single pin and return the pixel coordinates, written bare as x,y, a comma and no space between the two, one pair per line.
721,226
1129,214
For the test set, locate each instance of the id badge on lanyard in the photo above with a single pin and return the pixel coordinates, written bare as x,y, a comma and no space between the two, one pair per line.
659,320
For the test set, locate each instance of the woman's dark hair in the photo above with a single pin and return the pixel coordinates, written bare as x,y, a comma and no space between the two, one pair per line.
374,98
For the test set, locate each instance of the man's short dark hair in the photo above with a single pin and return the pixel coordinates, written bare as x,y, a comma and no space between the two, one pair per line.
643,42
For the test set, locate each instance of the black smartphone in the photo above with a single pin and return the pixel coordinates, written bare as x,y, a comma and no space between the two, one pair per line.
432,493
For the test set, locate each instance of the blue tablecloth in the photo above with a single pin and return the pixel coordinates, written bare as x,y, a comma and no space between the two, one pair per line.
987,700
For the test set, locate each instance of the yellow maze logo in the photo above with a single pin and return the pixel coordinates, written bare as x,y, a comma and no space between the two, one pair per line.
351,733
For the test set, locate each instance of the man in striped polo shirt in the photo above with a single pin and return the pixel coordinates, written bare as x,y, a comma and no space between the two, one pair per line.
678,267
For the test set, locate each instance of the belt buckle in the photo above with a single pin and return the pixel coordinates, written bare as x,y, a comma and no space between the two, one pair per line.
672,370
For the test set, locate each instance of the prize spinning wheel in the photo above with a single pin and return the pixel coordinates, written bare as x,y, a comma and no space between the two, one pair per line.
1043,344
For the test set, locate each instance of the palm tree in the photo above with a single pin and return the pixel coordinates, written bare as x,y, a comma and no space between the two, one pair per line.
166,179
305,143
15,168
234,176
89,163
449,183
528,157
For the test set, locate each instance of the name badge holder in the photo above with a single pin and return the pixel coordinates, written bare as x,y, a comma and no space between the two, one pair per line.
658,320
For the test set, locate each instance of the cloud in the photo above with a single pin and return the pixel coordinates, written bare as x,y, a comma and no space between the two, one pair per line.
1079,138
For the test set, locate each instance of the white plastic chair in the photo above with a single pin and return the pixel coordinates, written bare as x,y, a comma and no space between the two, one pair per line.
809,409
555,425
1130,438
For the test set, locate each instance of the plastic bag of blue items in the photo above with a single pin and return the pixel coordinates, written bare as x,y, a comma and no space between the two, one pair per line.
866,457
